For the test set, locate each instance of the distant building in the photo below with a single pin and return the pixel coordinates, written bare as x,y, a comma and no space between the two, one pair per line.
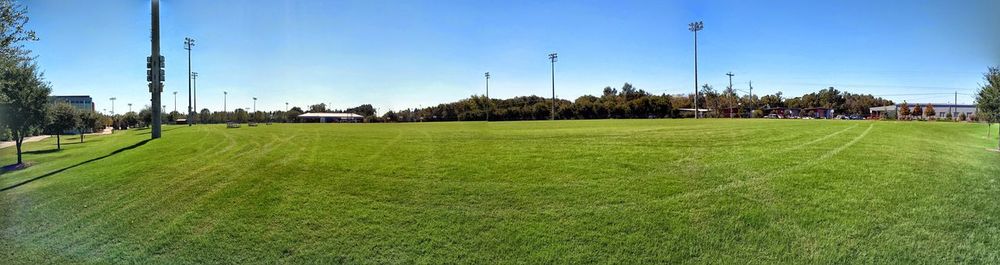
331,117
940,110
80,102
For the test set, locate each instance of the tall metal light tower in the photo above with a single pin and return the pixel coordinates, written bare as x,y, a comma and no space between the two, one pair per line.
553,57
488,100
188,43
175,101
130,107
113,105
194,91
695,27
730,74
255,105
155,66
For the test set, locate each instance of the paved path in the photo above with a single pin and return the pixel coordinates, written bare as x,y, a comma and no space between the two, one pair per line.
26,140
42,137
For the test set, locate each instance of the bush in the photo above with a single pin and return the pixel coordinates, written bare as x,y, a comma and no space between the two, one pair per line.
961,116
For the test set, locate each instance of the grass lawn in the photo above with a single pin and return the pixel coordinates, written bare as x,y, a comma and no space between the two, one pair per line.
567,192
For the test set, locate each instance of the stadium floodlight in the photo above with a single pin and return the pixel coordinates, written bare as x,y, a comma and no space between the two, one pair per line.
255,104
194,91
113,105
554,57
156,71
175,101
130,107
488,100
188,43
695,27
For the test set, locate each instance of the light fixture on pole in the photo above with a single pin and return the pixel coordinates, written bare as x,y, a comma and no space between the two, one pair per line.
194,91
553,57
188,43
130,107
113,105
695,27
255,105
175,101
155,73
488,100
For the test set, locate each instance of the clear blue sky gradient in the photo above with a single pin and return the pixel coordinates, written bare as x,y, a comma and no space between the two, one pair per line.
400,54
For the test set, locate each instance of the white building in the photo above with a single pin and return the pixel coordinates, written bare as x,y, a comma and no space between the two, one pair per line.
331,117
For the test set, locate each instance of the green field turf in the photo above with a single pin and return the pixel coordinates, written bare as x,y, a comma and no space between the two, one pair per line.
566,192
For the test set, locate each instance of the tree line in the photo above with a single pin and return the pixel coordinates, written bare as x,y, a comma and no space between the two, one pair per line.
631,102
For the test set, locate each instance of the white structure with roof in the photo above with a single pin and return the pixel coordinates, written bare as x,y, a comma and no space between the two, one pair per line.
324,117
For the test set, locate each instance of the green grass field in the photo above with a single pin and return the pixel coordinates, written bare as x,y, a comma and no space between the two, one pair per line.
602,191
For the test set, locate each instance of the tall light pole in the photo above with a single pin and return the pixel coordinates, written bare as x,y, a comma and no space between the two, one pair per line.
194,91
695,27
553,57
488,100
255,105
730,74
286,106
156,66
188,43
113,105
175,101
130,107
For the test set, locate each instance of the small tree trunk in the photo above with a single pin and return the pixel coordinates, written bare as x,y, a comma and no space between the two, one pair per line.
18,140
58,143
81,135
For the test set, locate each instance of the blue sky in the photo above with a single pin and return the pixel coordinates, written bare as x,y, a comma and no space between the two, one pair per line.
399,54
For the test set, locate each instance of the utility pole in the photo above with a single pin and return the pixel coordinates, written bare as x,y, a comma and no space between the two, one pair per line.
488,100
695,27
155,65
553,57
730,74
753,103
188,43
955,105
194,93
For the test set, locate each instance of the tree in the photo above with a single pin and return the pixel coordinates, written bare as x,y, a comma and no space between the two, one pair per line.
917,111
904,110
988,97
929,110
23,91
89,121
25,99
61,117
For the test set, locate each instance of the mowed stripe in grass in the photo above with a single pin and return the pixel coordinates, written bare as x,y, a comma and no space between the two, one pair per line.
598,191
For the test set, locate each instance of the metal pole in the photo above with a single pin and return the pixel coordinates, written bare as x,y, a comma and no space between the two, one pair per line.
730,74
695,27
156,87
194,88
553,57
488,100
175,101
188,43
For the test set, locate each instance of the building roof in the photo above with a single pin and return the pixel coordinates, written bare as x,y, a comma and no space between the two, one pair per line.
331,115
936,106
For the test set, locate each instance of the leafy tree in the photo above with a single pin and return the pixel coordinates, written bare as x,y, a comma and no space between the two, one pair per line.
961,116
205,116
929,110
61,117
904,110
321,107
917,111
89,121
988,97
25,99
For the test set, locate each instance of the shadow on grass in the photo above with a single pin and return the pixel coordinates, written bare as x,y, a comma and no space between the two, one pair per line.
123,149
38,152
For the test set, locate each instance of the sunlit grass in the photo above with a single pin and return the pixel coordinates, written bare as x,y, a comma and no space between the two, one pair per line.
618,191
